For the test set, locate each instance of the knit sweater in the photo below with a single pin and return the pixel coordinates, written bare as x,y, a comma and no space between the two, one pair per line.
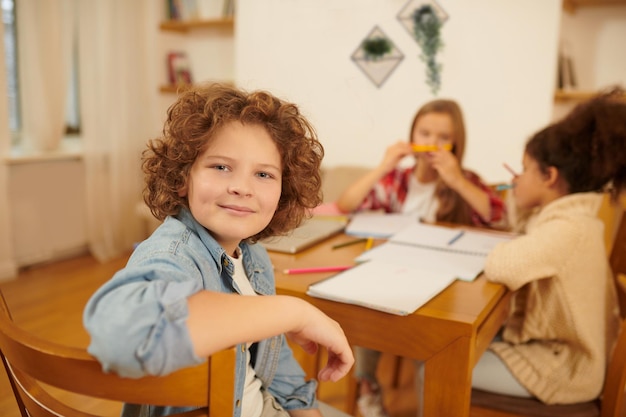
564,316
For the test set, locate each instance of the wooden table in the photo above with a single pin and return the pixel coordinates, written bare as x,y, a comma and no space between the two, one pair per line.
449,333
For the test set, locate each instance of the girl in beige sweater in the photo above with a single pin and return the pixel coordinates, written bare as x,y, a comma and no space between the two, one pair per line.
564,317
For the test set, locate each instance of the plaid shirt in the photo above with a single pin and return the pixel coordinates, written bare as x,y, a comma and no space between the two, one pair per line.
389,194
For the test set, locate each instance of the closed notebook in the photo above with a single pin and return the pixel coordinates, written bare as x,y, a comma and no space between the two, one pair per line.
378,225
310,232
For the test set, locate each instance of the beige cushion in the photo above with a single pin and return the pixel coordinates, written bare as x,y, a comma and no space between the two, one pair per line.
338,178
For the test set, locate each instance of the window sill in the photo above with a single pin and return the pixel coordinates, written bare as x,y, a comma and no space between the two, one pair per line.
71,148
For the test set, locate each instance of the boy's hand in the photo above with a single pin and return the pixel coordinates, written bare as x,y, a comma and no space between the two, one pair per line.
319,329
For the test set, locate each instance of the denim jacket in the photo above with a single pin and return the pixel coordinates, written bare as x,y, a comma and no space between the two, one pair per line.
137,319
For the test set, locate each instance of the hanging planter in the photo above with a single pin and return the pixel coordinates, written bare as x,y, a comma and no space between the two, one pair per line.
426,29
376,48
423,20
377,56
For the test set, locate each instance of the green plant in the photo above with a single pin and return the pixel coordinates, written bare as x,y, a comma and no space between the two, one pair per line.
426,28
375,48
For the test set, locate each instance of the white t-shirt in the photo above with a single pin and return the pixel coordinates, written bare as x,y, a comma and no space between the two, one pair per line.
252,402
420,199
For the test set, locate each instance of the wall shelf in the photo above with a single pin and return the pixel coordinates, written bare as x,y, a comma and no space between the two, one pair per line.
572,95
177,88
576,95
172,88
226,24
186,25
570,6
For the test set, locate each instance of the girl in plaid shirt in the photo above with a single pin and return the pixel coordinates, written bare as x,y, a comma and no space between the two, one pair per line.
435,188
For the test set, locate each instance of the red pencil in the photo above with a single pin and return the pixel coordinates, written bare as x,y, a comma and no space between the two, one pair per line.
508,168
316,269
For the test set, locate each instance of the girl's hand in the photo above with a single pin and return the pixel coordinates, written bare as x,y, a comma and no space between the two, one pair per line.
319,329
393,155
447,166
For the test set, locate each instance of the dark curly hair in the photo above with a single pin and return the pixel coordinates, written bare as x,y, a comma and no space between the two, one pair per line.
192,122
588,146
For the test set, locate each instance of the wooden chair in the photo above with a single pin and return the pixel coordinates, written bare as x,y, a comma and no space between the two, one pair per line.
617,260
611,402
32,363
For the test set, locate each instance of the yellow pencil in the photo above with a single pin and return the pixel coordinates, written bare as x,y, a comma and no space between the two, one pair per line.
431,148
369,243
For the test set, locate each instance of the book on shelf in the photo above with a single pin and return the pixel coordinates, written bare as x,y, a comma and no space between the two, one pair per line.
413,266
182,9
566,77
199,9
178,68
229,8
211,9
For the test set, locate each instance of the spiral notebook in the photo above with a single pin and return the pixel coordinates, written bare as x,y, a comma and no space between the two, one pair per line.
470,242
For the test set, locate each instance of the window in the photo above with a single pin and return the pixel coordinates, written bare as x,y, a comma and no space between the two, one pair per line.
10,59
11,42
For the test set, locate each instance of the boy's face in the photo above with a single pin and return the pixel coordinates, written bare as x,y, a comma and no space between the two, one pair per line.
235,184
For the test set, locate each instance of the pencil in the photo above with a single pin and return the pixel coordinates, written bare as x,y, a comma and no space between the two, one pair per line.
508,168
431,148
456,237
316,269
349,243
370,242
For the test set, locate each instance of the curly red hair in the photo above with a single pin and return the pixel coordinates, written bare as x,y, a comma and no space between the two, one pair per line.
192,122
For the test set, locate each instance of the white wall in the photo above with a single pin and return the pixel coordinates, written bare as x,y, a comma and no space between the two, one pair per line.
47,209
499,63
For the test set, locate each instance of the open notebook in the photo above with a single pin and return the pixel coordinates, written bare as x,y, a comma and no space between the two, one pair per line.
310,232
471,242
385,286
416,264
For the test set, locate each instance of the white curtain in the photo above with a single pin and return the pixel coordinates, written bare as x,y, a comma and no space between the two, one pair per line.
45,34
114,102
8,267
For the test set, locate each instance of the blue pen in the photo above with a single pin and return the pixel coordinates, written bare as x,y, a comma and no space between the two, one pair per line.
503,187
456,237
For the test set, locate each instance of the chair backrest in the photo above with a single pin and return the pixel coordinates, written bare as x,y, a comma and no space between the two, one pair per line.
617,260
32,362
615,382
336,179
611,404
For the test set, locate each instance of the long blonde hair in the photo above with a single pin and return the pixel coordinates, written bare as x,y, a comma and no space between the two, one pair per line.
452,207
